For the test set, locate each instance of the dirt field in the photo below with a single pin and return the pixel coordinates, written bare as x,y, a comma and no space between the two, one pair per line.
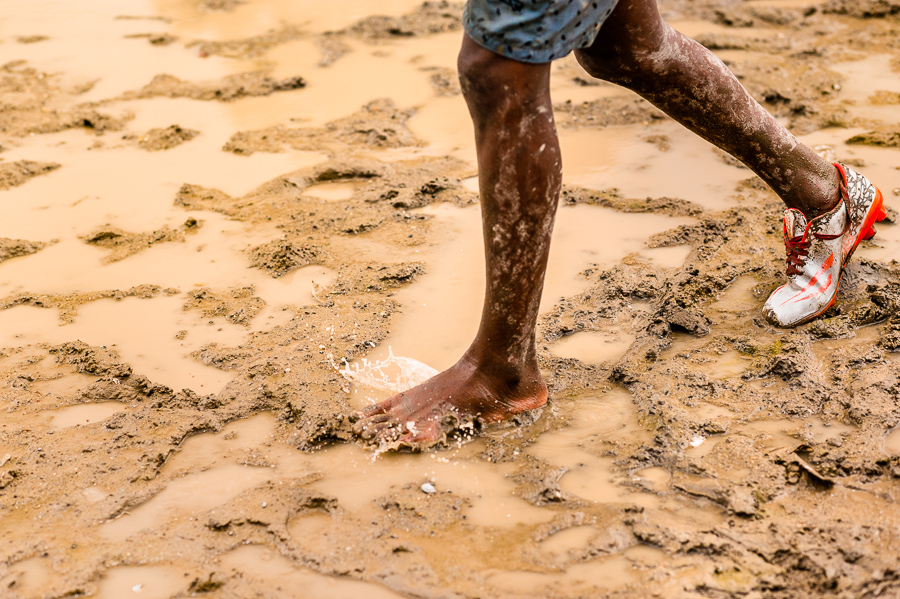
216,213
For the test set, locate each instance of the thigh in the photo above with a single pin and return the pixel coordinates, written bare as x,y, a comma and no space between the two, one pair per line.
633,25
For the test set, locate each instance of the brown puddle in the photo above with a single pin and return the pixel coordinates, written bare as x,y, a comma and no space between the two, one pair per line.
599,422
31,577
593,347
144,475
147,582
85,414
441,312
265,566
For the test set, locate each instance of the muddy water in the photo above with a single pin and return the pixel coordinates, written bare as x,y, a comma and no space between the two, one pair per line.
266,567
640,491
441,312
86,414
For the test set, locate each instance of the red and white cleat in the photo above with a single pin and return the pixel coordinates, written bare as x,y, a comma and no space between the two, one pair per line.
817,251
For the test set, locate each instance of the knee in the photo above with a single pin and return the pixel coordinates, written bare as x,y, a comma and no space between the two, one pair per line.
617,58
487,79
476,67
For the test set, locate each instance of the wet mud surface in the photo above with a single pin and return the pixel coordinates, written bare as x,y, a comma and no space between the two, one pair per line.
181,304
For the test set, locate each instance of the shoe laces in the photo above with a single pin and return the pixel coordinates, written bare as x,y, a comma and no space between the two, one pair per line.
798,247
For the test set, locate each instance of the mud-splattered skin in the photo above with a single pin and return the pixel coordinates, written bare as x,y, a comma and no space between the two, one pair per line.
638,50
520,173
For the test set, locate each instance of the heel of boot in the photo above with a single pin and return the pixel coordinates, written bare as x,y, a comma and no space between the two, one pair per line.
880,213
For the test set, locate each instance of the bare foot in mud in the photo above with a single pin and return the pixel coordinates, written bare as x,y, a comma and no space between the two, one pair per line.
464,393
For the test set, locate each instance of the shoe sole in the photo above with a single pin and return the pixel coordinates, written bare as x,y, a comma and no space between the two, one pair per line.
876,214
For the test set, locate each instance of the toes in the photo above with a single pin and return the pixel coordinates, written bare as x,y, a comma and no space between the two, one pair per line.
370,427
374,410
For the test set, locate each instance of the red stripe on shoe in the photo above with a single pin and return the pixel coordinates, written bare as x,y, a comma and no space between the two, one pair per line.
816,292
813,281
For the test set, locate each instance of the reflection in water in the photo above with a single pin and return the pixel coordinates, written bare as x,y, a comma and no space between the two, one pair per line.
281,574
441,311
592,347
668,257
186,496
580,447
146,582
85,414
31,577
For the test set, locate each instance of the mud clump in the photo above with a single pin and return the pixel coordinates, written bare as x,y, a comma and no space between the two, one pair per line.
155,39
87,358
332,49
68,303
12,248
445,82
430,18
611,198
250,47
194,197
238,305
281,256
863,9
606,112
376,277
218,5
31,39
123,244
885,138
13,174
379,123
158,139
29,100
228,89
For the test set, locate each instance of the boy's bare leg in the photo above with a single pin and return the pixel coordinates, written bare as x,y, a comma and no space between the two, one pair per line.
638,50
519,168
519,178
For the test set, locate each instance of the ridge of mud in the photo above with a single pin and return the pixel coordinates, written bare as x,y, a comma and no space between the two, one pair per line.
226,89
13,248
430,18
68,303
123,244
27,104
13,174
379,123
157,139
250,47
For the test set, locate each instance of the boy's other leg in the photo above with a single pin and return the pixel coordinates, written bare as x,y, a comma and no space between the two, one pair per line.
520,175
636,49
829,210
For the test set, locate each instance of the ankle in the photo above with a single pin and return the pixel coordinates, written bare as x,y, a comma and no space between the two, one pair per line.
816,202
500,368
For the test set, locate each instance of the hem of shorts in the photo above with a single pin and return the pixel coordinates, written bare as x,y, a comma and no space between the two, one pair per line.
540,57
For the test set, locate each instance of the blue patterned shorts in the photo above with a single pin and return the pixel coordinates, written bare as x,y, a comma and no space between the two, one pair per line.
535,31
